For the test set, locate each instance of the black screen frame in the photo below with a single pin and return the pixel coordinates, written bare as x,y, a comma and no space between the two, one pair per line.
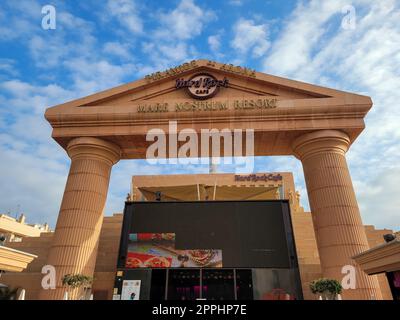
129,211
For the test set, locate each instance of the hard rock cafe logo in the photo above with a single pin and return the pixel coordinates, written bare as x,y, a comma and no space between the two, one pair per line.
202,85
256,177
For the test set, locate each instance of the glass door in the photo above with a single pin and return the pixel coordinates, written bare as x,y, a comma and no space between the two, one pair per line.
183,284
218,284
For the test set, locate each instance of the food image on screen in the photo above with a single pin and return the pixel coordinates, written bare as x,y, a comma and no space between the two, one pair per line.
133,262
157,250
158,262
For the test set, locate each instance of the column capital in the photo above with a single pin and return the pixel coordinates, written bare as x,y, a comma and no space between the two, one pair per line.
88,147
320,141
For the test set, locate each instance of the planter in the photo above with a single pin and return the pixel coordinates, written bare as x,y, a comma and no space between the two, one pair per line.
78,286
326,295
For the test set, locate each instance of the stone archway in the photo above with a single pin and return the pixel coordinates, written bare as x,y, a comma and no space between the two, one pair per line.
315,124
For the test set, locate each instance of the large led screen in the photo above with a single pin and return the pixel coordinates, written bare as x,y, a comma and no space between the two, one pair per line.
212,234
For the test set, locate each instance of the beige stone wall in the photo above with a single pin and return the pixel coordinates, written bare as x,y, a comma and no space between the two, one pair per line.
375,237
307,253
31,278
104,273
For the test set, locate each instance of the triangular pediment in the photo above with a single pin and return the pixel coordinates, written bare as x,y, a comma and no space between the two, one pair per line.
243,83
278,109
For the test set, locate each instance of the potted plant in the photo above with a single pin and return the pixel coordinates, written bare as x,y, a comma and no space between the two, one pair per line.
78,285
328,289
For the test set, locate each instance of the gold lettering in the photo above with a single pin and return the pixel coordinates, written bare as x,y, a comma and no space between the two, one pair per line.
254,104
157,107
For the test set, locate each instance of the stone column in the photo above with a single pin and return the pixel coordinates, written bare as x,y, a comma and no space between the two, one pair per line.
337,222
74,246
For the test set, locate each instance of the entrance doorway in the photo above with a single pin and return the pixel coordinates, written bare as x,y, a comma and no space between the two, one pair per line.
208,284
218,284
183,284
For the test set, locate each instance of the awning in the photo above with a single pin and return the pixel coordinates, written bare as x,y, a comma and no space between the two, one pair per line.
208,192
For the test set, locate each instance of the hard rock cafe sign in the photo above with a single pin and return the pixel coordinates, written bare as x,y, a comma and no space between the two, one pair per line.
259,177
202,85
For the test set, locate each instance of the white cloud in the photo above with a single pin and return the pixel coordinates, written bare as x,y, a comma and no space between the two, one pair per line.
379,201
236,2
214,42
302,33
7,67
250,37
127,13
170,43
68,21
23,96
19,22
117,49
50,48
90,75
33,168
166,54
185,22
31,182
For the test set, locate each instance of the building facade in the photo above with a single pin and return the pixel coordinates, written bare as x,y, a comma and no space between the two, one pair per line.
280,116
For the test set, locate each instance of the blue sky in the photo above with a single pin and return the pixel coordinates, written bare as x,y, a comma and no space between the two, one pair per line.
349,45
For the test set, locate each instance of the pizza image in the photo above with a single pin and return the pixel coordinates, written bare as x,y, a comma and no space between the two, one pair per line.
168,236
201,257
157,262
132,262
158,250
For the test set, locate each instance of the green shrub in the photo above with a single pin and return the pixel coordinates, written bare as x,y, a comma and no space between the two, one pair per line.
326,285
76,280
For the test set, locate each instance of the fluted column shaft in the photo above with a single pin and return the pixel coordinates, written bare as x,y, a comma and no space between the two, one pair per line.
74,247
337,222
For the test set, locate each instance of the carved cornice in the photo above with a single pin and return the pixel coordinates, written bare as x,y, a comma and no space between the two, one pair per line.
286,110
14,260
383,258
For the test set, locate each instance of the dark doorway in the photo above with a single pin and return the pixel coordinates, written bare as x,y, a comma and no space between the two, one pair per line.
183,284
394,283
158,283
244,284
218,284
